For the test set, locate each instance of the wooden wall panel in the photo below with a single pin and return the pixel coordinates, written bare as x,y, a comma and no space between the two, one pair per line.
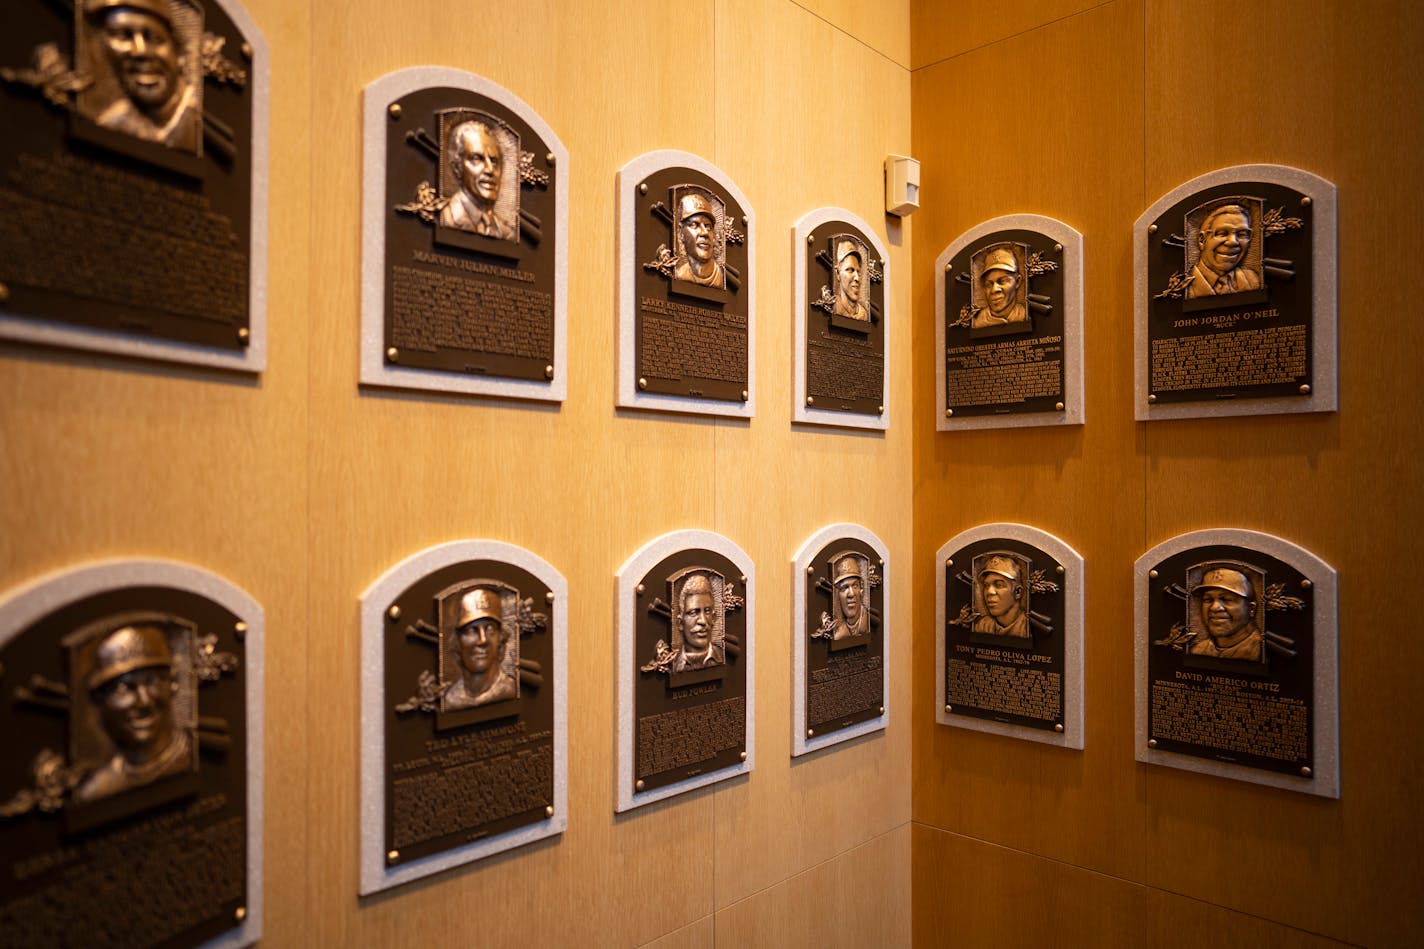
884,27
939,31
1123,102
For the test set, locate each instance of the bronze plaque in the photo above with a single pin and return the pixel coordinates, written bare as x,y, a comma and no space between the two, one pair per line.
690,287
126,175
470,272
845,639
1005,310
1236,295
1231,665
1005,635
690,691
844,315
125,718
470,716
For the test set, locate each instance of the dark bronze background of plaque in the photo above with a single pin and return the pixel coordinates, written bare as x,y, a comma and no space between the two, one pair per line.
691,340
105,231
1257,714
845,361
1003,678
1006,374
696,722
457,301
452,779
1255,345
844,687
163,863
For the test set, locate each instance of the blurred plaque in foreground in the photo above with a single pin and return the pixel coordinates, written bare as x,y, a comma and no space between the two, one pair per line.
133,179
684,666
686,288
1009,325
130,783
1009,610
840,290
1236,662
840,638
465,252
462,710
1235,296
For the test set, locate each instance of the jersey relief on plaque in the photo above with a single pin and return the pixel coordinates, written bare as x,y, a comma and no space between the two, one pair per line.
685,288
1236,295
1009,304
684,666
840,653
1236,660
467,642
465,239
126,698
1010,634
134,132
842,377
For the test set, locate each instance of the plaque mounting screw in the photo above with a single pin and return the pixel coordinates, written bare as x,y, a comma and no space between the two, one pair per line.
4,293
247,52
746,395
1305,772
392,856
810,238
1305,202
549,597
393,613
395,110
243,333
548,372
745,220
239,629
882,710
640,589
1152,574
810,570
549,811
550,158
744,756
1060,568
240,913
1151,743
1058,406
810,732
743,578
393,354
1152,228
948,562
1305,390
642,383
643,188
638,786
949,413
1058,728
1152,400
949,708
1058,248
810,400
1305,584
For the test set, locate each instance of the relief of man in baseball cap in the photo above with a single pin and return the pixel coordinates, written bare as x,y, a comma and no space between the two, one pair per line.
698,242
849,274
133,687
1001,282
480,641
157,101
1001,590
1227,602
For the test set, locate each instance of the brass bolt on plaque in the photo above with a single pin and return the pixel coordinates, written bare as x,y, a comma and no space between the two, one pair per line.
549,811
745,220
810,570
1152,574
1058,406
395,110
550,158
638,786
240,913
549,597
746,395
949,708
810,238
1305,390
239,629
810,732
1152,228
743,577
247,50
243,334
1058,728
1152,400
1060,568
642,383
1305,202
393,613
1305,584
948,562
744,756
1058,248
643,188
548,372
1305,772
810,400
880,410
1151,743
392,856
641,589
882,710
393,354
949,413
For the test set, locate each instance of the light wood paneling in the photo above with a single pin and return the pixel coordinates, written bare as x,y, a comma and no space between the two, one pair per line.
884,27
940,30
696,935
854,899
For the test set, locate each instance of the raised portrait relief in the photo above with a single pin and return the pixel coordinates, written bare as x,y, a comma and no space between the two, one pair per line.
1224,611
144,65
1001,587
850,613
700,254
479,648
1223,247
479,177
697,617
999,290
849,277
135,707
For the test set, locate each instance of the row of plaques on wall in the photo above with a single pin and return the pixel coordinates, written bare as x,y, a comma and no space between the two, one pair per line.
465,225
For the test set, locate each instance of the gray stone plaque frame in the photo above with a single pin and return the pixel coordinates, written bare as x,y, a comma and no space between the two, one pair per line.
35,600
627,797
376,875
627,264
800,744
1072,582
1323,396
251,358
800,411
374,369
1074,408
1325,751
